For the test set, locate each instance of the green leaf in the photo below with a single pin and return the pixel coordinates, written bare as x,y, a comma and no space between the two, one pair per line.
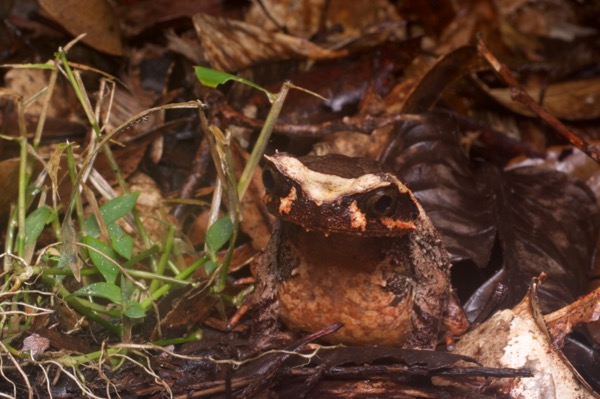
134,311
112,211
121,242
127,289
218,234
212,78
118,207
109,291
210,267
35,222
105,266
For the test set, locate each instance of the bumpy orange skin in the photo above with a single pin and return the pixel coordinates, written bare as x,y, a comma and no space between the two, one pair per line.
344,279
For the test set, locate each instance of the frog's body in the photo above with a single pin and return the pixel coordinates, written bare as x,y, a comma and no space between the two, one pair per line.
353,246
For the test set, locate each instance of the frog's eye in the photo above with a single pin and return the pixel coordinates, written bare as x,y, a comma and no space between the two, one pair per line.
382,202
270,179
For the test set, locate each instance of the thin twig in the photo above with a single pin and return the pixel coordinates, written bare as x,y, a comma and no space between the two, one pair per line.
362,123
517,93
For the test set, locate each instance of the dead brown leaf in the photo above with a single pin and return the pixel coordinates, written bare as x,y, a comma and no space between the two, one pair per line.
30,83
309,18
96,18
570,100
231,45
301,19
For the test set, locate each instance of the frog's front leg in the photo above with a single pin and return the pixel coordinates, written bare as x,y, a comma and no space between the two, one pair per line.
455,320
437,309
266,331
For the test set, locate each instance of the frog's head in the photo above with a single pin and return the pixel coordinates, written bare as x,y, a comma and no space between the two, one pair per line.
339,194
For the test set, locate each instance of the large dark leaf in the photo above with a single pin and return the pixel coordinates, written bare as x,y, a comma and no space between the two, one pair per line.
548,223
539,220
428,158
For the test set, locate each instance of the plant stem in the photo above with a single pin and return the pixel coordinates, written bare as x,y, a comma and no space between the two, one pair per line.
262,141
162,263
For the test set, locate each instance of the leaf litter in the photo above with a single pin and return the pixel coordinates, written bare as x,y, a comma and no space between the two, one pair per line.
436,113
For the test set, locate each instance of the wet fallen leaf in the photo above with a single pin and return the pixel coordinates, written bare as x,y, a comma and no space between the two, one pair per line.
143,17
181,311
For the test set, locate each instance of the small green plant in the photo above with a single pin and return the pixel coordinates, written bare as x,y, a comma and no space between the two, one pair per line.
102,271
119,274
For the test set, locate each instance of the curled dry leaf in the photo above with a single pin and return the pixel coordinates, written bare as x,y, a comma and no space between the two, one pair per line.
480,19
96,18
518,338
584,310
231,45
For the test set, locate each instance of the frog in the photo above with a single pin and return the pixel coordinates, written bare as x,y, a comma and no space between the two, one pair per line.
352,245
